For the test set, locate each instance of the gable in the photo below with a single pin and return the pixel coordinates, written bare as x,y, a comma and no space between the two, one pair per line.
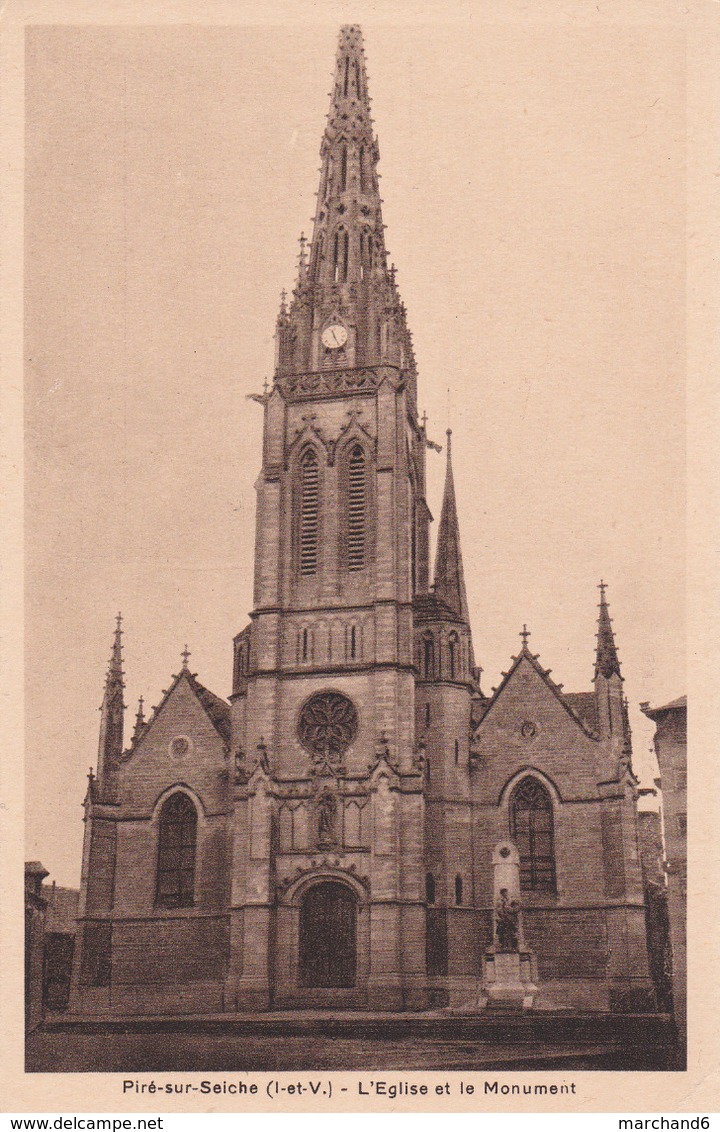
180,743
527,677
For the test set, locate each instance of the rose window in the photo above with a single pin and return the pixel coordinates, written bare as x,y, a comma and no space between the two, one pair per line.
328,724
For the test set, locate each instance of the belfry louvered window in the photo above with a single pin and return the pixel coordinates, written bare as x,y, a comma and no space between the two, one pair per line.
309,507
176,853
356,510
531,828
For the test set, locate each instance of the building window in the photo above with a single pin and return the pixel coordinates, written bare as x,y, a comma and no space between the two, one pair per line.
457,752
353,642
176,853
428,656
356,503
458,890
304,644
343,170
430,888
358,84
361,167
347,75
309,511
531,828
341,251
453,643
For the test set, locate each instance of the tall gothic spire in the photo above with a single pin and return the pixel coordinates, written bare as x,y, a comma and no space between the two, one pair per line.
606,660
345,311
449,576
348,241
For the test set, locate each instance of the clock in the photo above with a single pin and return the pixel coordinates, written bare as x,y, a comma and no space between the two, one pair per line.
334,336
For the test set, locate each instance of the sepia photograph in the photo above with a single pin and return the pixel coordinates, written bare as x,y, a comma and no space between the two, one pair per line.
373,561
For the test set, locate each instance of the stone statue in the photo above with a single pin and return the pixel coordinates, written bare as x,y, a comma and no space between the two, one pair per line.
327,818
507,914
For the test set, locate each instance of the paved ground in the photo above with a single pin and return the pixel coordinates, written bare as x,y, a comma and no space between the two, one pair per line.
142,1053
314,1041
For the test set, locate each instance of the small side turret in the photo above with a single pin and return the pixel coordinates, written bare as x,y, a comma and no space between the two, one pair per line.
112,709
608,679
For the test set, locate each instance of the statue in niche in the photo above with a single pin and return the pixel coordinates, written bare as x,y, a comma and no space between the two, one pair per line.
507,913
327,818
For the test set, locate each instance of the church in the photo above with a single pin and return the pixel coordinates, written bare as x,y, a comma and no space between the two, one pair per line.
323,837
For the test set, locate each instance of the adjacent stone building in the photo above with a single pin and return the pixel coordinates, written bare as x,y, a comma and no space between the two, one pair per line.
323,837
671,750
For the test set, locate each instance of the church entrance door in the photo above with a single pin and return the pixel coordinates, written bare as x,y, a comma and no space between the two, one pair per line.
328,931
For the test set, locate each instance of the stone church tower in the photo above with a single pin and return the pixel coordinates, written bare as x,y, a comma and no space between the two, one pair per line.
325,838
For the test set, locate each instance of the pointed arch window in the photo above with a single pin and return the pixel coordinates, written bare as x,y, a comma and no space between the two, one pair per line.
358,85
345,256
177,842
353,642
430,888
356,504
458,890
336,257
531,828
428,656
347,75
343,169
309,511
453,655
341,251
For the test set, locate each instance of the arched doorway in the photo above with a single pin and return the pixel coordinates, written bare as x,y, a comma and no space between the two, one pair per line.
328,936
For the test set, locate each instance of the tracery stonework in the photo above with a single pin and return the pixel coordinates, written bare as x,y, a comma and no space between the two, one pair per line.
327,726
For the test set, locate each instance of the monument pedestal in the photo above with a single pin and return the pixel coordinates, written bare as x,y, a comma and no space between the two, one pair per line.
508,980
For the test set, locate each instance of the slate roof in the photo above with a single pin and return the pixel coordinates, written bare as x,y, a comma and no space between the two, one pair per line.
680,704
584,704
62,908
429,607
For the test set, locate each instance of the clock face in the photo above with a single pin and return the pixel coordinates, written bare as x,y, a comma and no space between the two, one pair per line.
334,336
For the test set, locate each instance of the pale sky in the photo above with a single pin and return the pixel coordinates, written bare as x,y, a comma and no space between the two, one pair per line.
533,179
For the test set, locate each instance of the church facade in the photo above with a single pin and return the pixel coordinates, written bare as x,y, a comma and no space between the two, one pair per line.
323,837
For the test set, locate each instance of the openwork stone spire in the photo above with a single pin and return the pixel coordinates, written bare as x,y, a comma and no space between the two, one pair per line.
348,242
345,311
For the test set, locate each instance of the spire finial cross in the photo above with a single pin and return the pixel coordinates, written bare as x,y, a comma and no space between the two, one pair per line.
525,633
424,420
118,623
185,654
602,587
